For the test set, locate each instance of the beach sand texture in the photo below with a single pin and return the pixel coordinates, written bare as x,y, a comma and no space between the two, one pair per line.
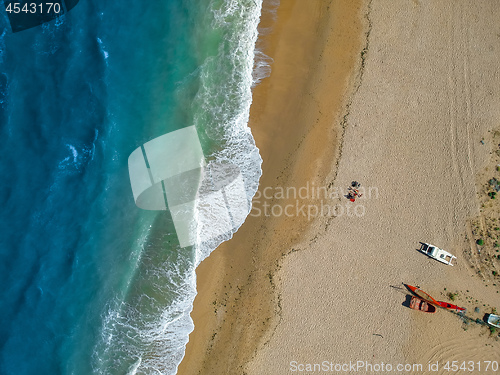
420,98
292,118
427,97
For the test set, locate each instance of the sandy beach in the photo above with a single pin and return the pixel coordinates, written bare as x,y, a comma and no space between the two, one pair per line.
403,97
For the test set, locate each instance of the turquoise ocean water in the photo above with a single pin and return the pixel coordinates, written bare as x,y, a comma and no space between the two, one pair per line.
90,284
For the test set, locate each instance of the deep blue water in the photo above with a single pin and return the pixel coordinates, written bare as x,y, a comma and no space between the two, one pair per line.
90,283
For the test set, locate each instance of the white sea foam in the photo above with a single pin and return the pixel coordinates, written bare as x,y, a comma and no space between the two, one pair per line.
102,49
79,156
135,367
152,339
263,62
262,68
2,45
229,119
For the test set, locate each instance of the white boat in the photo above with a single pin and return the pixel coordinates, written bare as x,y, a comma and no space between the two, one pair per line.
493,320
437,253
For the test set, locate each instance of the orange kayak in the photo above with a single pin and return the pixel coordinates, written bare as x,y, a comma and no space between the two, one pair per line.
420,293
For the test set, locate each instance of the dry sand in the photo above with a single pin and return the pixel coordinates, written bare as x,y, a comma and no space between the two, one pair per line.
419,100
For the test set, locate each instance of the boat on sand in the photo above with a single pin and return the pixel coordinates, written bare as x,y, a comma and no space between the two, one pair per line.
421,305
423,295
436,253
493,320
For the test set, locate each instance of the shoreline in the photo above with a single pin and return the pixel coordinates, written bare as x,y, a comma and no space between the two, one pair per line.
295,123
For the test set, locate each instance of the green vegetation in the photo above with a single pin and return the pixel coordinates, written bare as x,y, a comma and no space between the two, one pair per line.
480,242
452,296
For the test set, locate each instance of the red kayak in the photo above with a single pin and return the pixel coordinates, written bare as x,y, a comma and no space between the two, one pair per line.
449,306
445,305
